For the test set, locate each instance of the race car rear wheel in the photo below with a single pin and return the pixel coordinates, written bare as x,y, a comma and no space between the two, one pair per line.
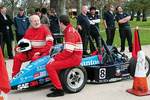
74,79
132,66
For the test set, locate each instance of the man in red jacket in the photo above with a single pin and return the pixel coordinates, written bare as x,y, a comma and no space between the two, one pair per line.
41,43
71,55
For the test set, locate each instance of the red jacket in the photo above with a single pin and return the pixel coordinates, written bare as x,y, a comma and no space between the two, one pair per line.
41,39
72,46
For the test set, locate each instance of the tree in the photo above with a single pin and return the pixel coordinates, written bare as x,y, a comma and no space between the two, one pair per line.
10,4
139,6
79,4
54,4
59,6
145,6
62,7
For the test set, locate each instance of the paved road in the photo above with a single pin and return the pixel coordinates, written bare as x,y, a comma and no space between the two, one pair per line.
111,91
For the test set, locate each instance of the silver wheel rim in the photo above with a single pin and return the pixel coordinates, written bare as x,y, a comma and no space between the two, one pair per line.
75,78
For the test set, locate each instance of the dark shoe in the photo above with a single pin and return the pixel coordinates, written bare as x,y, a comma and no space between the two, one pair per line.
121,50
52,89
130,50
11,57
85,53
56,93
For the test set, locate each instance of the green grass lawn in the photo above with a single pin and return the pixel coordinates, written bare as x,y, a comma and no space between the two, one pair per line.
140,23
144,31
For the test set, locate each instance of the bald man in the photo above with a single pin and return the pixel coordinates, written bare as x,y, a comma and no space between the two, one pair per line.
41,42
83,26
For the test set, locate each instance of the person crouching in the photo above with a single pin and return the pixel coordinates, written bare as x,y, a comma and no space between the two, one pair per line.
71,55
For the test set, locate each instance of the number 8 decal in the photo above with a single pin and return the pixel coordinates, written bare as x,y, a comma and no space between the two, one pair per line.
102,73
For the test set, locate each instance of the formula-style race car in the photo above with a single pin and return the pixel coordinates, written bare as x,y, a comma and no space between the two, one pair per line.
113,67
107,65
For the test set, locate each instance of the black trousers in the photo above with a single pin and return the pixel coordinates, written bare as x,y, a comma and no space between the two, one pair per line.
110,33
8,41
85,39
125,33
95,37
1,38
18,37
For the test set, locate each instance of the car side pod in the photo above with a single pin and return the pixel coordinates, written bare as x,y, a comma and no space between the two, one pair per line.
140,86
31,72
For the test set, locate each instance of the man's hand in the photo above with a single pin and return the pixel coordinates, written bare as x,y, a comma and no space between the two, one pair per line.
92,22
79,27
105,25
124,20
37,54
17,49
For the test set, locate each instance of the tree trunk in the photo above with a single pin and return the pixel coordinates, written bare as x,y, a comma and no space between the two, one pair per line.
12,10
84,2
89,3
132,15
54,4
62,7
138,18
144,15
92,2
79,4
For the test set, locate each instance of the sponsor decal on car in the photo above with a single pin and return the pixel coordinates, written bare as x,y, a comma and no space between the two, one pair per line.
114,79
93,60
103,81
109,80
118,72
23,86
36,75
41,81
40,74
47,79
33,83
43,73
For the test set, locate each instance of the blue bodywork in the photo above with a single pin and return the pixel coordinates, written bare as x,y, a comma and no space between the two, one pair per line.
37,69
35,74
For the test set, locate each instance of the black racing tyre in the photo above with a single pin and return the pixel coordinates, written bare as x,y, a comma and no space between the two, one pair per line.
132,66
73,79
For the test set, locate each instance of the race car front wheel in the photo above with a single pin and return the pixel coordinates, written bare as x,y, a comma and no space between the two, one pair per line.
74,79
132,66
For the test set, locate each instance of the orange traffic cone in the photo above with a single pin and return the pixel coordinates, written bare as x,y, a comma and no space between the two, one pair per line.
1,97
140,86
